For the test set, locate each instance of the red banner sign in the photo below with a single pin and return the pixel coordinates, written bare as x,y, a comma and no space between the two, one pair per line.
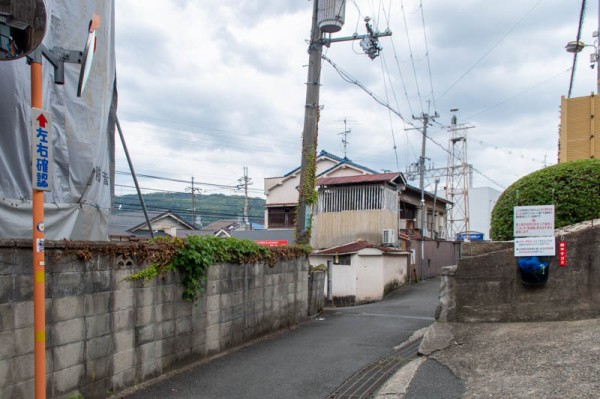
273,243
562,253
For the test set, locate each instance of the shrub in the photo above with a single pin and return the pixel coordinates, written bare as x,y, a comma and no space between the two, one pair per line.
573,188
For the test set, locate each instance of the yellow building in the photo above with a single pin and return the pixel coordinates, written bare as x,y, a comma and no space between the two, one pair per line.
579,129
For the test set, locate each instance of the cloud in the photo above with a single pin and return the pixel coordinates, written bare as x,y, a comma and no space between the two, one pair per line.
206,88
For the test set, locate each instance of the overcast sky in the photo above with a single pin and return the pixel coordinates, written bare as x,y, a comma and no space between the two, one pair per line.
207,88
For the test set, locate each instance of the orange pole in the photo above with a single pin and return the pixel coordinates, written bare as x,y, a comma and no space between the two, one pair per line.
39,294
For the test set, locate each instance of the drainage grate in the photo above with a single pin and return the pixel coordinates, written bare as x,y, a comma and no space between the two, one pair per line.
364,383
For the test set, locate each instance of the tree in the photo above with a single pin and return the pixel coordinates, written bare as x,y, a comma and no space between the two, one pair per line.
573,188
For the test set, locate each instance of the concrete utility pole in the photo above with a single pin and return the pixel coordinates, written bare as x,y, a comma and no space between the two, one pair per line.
309,133
306,187
425,118
245,181
193,191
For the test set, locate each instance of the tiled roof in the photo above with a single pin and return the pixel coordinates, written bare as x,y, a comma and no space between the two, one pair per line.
355,247
376,178
428,194
339,161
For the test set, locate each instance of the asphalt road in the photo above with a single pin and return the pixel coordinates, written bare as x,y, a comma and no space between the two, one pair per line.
311,360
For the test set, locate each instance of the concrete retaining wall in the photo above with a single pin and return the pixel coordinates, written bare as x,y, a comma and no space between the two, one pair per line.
105,334
486,285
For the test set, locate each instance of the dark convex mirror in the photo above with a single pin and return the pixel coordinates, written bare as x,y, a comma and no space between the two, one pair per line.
22,27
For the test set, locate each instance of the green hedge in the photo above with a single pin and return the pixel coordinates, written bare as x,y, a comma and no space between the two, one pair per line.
573,188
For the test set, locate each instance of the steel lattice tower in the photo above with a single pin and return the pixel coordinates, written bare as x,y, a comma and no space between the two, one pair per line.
457,180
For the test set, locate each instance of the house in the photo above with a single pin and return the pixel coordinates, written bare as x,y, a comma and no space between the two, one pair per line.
360,207
225,227
129,225
409,213
282,192
362,271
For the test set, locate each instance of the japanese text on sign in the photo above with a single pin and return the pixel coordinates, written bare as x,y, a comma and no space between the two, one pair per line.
41,150
535,221
535,246
562,253
272,243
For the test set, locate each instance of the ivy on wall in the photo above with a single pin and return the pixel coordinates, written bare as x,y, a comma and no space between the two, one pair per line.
194,255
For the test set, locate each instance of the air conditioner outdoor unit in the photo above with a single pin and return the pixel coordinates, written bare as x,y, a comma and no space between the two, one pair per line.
388,237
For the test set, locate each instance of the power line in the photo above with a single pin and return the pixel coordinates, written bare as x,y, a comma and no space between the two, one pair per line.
411,55
519,94
488,52
428,58
348,78
581,17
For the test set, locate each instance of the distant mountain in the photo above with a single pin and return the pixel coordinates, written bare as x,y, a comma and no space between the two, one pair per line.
209,208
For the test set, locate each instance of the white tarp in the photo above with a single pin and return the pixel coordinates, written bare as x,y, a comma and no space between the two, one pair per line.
78,207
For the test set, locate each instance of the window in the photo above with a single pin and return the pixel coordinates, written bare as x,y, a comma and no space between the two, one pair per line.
357,198
282,218
344,260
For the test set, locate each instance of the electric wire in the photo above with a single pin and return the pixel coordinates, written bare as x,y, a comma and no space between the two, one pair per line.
581,17
385,73
348,78
428,57
196,183
531,88
412,59
489,51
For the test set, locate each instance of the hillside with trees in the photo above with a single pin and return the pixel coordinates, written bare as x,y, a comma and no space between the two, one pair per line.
209,208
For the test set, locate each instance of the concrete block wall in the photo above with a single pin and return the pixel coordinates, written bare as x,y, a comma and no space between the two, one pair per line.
485,286
105,334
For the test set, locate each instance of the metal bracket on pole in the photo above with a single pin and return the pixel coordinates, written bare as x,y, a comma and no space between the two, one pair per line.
57,56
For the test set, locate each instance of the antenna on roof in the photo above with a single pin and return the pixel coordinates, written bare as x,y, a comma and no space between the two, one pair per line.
345,134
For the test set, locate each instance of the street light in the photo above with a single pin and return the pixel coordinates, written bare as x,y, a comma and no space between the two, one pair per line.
577,46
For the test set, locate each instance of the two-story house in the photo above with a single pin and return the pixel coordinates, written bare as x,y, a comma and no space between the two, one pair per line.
282,192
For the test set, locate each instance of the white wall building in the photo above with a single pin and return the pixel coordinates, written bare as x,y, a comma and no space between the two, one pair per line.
481,205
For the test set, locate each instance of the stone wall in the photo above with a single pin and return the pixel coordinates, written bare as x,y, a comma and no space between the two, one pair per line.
105,334
486,285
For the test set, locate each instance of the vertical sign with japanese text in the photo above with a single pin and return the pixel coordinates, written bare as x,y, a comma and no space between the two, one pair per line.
562,253
41,150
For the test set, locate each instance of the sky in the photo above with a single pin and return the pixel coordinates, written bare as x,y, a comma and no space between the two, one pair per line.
208,88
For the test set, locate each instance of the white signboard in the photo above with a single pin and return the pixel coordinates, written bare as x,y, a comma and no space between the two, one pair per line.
41,150
535,246
534,221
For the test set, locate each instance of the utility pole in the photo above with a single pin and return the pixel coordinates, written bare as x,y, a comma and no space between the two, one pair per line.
309,134
437,180
425,118
245,181
193,191
370,45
